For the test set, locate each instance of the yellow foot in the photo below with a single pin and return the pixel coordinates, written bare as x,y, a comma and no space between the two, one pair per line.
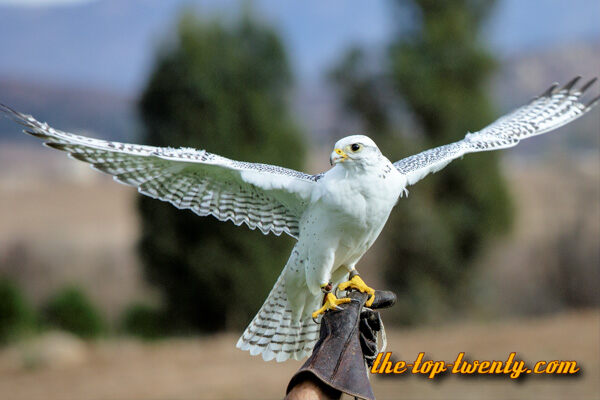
361,286
331,303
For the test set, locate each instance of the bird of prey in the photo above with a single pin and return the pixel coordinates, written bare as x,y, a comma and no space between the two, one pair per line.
335,216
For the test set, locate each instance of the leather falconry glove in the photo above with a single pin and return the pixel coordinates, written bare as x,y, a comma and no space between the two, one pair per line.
346,349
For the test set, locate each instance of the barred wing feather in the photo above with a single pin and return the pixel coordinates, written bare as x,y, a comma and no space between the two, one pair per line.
262,196
545,113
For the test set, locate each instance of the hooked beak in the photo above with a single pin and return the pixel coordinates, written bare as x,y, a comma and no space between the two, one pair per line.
336,156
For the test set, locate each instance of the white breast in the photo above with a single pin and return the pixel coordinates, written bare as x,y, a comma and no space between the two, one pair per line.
353,208
345,216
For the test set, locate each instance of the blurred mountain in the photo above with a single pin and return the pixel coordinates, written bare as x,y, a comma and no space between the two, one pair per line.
110,114
110,43
103,44
99,113
522,77
518,79
80,66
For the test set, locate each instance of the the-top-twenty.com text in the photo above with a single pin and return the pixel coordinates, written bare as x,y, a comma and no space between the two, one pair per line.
511,367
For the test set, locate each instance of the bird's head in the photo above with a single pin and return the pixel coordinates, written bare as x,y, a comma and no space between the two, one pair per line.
355,149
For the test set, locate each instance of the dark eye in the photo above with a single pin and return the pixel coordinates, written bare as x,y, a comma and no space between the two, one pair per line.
355,147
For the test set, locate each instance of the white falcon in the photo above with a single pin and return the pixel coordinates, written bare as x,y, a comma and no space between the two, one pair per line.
335,216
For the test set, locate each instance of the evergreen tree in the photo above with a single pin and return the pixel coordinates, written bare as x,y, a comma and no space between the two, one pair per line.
437,69
222,88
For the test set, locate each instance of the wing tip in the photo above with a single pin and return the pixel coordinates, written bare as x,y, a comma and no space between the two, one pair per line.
54,145
568,88
592,103
550,91
36,134
569,85
8,110
15,115
588,84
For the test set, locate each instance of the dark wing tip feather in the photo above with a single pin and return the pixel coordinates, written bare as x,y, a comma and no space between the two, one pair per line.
21,119
585,87
77,156
14,115
54,145
592,102
36,134
548,92
569,85
7,109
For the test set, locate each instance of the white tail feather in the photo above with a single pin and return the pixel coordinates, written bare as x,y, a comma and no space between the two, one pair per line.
272,332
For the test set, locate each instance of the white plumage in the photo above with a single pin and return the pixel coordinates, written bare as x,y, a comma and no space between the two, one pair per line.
335,216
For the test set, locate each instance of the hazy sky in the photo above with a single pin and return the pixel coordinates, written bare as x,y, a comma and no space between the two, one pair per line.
42,2
111,43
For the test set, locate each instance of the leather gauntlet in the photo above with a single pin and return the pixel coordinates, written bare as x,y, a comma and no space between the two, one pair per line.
346,347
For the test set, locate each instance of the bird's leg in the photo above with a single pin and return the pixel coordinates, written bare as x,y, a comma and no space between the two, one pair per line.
330,302
357,283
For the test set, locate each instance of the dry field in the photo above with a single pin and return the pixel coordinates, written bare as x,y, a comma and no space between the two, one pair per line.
56,367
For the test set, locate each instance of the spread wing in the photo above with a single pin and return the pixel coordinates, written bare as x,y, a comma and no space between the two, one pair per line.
545,113
262,196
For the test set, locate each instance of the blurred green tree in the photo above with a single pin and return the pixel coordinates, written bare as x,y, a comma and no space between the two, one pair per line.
436,70
223,88
71,310
144,321
16,314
